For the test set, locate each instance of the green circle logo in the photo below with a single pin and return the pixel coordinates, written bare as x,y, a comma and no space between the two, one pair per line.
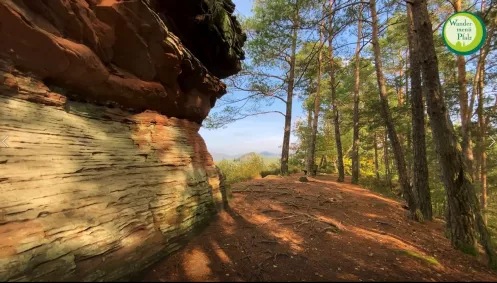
464,33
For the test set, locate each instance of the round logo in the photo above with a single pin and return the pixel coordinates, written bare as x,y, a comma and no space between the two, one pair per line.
464,33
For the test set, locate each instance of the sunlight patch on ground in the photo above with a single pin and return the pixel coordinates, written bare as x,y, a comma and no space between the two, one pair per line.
348,277
283,234
372,215
395,244
220,252
259,219
424,258
382,239
196,266
332,221
277,207
229,223
361,192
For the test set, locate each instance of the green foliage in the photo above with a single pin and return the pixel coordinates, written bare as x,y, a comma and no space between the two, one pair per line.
468,249
270,172
424,258
266,74
303,179
247,167
380,186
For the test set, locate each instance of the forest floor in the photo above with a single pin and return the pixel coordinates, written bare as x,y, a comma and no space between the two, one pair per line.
280,229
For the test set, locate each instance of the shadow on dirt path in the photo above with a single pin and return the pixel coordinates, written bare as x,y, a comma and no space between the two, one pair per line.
284,230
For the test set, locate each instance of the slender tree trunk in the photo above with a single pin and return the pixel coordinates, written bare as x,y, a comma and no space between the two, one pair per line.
477,158
376,165
400,92
420,178
464,209
317,105
321,162
409,153
309,132
385,111
355,145
482,122
334,107
467,146
288,115
388,176
483,156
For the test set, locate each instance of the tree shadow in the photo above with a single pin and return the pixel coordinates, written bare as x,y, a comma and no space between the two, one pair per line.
276,230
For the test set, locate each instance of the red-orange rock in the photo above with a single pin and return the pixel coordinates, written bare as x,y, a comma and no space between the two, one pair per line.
119,51
105,171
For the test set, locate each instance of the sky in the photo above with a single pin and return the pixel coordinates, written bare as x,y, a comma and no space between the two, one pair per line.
252,134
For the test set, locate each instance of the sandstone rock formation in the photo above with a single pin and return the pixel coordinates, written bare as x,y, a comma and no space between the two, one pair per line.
105,171
209,30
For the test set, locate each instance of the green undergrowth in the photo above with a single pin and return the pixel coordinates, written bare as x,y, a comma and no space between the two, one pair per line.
380,186
424,258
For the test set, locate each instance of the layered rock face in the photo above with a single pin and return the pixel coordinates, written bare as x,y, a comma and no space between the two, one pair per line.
105,171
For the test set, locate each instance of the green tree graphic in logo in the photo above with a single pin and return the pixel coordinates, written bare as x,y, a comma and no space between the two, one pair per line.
464,33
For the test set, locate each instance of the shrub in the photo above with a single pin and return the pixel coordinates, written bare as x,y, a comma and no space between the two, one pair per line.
249,167
380,186
242,170
303,179
270,172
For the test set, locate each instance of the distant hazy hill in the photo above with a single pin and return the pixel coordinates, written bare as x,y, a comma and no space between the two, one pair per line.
267,156
220,156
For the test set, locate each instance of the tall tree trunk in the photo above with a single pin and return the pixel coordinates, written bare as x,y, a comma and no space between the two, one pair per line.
483,157
400,91
317,105
385,111
388,176
464,209
322,161
334,107
285,152
479,83
420,178
376,165
409,153
355,145
477,156
308,134
467,145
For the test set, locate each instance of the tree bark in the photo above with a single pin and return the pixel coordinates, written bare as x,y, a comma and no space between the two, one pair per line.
308,133
388,176
483,140
288,115
467,145
317,105
321,162
420,172
482,122
334,107
376,165
409,153
463,208
385,111
355,144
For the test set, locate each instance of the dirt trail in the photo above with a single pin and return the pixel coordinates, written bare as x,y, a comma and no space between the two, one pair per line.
284,230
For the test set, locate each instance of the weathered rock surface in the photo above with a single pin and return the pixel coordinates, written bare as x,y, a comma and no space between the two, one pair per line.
105,172
209,30
93,193
112,51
